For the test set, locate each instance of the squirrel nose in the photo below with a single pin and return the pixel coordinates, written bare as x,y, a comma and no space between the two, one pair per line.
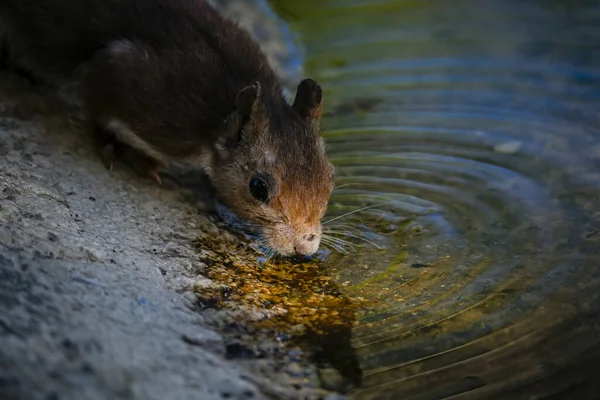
307,245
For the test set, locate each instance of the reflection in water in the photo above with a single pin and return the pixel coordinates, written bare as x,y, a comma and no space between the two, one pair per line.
476,124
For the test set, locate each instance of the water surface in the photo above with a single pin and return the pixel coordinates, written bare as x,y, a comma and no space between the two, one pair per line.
473,129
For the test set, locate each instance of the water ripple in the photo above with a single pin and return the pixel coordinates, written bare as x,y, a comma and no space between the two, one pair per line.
476,124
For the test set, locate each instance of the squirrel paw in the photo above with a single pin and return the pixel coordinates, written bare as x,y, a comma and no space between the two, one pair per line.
143,164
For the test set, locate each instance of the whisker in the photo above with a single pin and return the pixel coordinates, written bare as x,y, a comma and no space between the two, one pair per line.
338,240
342,242
244,260
271,255
343,249
255,246
343,185
252,224
325,246
255,243
331,228
337,248
359,237
355,211
334,248
338,244
329,241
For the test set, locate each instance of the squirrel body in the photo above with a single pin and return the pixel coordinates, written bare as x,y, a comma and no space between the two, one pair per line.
174,79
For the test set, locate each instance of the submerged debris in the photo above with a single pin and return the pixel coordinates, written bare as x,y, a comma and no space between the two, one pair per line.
294,300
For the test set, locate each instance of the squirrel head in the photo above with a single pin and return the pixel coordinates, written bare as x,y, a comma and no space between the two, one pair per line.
270,166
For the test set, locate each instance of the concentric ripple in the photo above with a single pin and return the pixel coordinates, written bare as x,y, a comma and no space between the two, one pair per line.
470,132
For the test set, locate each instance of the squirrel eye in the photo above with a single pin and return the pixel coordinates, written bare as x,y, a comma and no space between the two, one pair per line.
259,189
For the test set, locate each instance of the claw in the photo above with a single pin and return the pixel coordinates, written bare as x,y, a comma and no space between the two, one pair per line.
156,177
107,154
142,164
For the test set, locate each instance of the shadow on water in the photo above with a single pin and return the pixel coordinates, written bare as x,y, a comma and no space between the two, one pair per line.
473,129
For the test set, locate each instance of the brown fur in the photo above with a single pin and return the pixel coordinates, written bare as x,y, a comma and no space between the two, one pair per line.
174,78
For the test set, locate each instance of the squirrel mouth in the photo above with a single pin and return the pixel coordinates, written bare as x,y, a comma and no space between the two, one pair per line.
285,241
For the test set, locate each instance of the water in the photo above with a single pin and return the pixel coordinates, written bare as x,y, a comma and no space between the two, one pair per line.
475,127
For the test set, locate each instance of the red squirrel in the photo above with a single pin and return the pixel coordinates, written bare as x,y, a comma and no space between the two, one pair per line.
174,79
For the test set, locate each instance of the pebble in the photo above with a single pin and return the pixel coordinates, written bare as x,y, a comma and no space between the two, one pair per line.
508,147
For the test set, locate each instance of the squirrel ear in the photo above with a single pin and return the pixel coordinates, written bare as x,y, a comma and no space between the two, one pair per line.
309,99
247,99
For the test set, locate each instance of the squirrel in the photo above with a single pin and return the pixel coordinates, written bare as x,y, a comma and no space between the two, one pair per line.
174,79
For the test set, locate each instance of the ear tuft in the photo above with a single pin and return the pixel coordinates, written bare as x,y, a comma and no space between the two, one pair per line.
247,99
309,99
